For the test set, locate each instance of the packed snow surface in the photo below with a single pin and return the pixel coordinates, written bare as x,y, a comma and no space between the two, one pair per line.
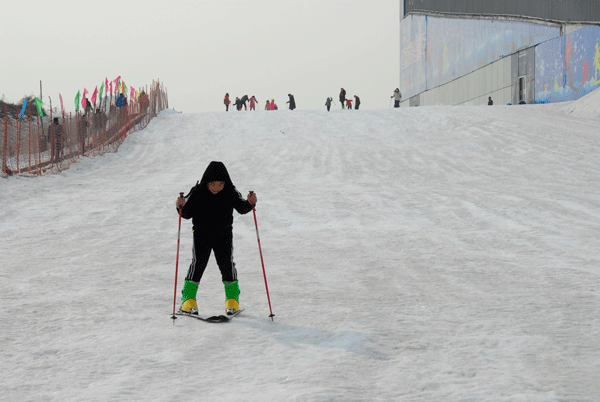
414,254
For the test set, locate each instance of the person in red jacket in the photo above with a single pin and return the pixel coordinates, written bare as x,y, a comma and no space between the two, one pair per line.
253,103
227,102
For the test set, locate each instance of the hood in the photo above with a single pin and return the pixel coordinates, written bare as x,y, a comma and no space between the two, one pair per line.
216,171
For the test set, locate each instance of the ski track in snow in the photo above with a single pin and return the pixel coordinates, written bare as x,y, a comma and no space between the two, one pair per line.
419,254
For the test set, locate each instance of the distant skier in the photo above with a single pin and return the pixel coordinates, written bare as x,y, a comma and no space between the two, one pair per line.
272,106
210,205
55,136
121,101
356,102
292,102
238,104
226,101
88,106
490,101
328,103
268,105
253,103
397,97
244,100
349,103
343,97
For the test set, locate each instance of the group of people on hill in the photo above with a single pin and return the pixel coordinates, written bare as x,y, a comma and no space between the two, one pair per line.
271,105
239,103
345,103
242,102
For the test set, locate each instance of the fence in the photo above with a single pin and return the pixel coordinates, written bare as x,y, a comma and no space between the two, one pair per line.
31,147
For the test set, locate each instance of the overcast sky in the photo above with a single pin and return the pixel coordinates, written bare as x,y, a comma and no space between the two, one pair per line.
201,49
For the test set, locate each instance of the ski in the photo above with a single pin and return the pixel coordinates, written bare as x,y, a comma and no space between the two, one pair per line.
214,319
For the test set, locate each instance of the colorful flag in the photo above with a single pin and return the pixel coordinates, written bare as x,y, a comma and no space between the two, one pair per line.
38,104
77,101
101,92
23,110
84,99
116,81
124,90
111,90
94,95
62,107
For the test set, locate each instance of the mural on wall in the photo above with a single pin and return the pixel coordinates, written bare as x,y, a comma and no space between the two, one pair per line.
568,67
435,51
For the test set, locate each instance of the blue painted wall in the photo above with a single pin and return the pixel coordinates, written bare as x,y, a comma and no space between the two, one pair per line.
568,67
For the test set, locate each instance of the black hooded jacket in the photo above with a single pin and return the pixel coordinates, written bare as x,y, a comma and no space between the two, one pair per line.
214,212
292,102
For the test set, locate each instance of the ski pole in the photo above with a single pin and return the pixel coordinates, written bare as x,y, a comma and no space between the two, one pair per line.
177,263
262,262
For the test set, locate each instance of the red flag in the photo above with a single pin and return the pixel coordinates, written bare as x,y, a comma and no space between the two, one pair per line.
62,107
94,95
116,81
83,99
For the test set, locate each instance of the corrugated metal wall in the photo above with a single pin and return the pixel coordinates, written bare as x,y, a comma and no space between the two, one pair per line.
494,80
558,10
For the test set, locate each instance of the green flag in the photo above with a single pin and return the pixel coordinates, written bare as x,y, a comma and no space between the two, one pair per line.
38,105
77,101
101,92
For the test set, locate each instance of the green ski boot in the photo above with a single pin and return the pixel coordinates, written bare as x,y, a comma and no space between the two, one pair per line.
232,297
188,298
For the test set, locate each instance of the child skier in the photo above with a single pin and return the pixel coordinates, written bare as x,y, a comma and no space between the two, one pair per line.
226,101
210,204
244,100
253,103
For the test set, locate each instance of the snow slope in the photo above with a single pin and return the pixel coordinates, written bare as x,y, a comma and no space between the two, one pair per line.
418,254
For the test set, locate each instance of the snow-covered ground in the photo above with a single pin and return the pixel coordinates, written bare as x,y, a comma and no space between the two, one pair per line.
417,254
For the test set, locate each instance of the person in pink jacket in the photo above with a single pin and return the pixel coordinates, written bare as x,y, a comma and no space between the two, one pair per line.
272,104
253,103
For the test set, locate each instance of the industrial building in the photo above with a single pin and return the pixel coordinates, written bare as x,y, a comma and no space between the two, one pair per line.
464,52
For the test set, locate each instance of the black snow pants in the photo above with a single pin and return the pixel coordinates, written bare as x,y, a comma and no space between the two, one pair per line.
222,246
